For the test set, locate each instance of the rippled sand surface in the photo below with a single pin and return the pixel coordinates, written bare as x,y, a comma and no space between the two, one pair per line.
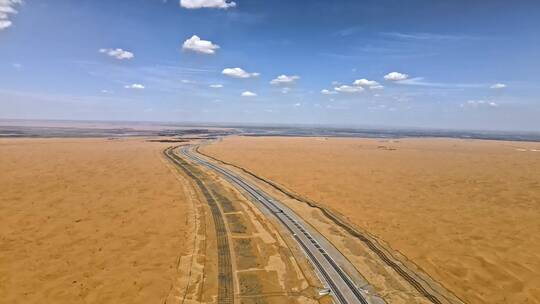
466,211
88,221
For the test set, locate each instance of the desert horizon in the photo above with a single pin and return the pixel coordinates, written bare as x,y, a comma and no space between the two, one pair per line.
269,152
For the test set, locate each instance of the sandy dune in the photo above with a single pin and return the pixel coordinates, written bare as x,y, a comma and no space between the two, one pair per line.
467,212
89,221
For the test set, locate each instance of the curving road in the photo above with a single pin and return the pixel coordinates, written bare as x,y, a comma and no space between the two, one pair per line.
318,250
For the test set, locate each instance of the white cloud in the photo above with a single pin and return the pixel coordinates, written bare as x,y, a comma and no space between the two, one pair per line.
119,54
285,90
285,80
248,94
195,44
428,36
194,4
4,24
365,83
328,92
479,103
136,86
216,86
396,76
358,85
476,102
238,73
369,84
7,8
498,86
348,89
420,81
297,104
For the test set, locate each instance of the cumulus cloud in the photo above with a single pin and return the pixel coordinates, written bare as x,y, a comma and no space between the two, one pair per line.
195,4
216,86
7,8
4,24
348,89
358,85
369,84
198,45
285,80
498,86
119,54
248,94
396,76
136,86
238,73
328,92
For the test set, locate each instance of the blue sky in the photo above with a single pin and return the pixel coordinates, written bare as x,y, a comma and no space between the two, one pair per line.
435,64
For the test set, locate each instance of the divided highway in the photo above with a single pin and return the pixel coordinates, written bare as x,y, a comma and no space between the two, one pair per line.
341,286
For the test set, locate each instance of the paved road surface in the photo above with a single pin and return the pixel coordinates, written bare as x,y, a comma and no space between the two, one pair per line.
319,251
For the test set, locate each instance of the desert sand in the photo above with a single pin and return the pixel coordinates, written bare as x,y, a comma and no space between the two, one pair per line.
89,221
465,211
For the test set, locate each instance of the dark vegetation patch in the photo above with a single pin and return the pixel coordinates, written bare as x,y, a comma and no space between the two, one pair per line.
246,253
262,287
225,202
236,223
250,285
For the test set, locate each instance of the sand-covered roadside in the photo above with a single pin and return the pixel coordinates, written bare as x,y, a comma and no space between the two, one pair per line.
89,221
466,211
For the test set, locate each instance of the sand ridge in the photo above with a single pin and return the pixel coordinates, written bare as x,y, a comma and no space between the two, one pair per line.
465,211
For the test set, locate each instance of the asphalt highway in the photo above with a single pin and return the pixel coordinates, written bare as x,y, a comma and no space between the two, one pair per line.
340,285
